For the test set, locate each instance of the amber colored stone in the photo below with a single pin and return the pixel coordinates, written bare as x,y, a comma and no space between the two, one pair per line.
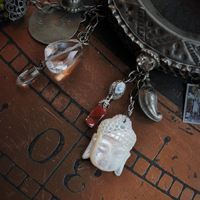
96,115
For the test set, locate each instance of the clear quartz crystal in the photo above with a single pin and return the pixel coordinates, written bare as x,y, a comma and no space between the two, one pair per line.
61,55
27,76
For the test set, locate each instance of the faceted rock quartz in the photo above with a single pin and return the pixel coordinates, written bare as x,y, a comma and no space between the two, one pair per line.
27,76
96,115
61,55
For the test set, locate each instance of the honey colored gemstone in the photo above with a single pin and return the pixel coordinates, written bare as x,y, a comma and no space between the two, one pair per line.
96,115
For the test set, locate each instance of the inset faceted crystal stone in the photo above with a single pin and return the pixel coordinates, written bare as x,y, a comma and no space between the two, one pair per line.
27,76
96,115
117,89
61,55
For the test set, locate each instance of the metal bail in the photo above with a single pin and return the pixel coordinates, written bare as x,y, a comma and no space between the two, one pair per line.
146,62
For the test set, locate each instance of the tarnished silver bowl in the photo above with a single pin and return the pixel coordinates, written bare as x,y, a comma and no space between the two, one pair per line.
169,28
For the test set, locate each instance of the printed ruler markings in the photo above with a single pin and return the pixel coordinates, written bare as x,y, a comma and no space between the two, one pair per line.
163,172
27,176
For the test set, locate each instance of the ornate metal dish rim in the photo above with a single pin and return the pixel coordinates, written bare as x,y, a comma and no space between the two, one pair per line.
161,21
145,47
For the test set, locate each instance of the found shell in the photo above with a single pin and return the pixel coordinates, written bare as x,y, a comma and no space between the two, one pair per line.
148,102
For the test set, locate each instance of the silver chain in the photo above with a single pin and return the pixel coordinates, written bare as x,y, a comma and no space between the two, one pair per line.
41,6
134,93
83,36
106,101
133,97
138,77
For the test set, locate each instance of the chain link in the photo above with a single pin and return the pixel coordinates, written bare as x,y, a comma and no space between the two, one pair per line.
84,35
137,77
133,97
95,15
41,6
106,102
190,77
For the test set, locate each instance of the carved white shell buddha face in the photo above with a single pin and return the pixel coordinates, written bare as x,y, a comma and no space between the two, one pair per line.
110,147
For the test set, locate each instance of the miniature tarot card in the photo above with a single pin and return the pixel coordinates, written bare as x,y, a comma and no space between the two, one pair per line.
192,104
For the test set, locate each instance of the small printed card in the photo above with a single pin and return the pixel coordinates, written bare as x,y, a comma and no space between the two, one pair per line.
192,104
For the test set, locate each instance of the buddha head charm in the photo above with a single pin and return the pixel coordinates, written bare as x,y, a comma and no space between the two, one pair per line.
110,147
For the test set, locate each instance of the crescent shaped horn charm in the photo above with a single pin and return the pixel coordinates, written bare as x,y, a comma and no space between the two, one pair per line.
148,101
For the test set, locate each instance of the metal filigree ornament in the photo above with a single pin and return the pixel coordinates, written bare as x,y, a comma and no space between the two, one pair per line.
16,8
